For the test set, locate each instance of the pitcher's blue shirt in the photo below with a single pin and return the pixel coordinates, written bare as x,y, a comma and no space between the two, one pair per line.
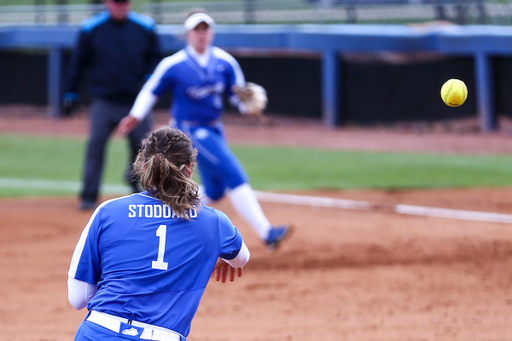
197,91
149,266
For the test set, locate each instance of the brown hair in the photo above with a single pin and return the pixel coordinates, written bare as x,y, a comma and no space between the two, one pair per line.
164,155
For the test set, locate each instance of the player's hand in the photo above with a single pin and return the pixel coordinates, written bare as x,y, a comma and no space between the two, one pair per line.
127,124
69,104
222,269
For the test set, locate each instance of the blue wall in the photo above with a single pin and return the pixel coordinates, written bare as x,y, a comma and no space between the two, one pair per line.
481,43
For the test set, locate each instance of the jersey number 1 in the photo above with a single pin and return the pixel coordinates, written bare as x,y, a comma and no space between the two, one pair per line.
159,264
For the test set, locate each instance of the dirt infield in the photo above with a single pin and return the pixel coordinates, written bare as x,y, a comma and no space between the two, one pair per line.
344,275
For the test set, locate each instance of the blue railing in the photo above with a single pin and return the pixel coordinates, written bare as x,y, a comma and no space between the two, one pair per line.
480,42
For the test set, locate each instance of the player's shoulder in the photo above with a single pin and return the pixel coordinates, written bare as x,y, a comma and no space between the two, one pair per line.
106,211
121,203
172,60
92,22
214,213
142,20
208,211
229,62
113,203
223,55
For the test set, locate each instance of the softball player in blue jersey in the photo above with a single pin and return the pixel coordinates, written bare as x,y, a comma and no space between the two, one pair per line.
143,261
199,76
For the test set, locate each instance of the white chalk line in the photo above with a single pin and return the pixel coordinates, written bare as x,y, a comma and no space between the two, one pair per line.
68,186
454,214
292,199
400,209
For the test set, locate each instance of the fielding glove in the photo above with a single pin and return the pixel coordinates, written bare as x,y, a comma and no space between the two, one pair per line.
253,96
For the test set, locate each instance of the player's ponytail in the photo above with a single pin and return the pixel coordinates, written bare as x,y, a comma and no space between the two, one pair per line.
162,164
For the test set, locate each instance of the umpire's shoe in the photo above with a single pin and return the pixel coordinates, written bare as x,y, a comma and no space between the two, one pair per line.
277,235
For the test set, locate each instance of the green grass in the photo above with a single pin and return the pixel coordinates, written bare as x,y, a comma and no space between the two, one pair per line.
270,168
298,168
61,159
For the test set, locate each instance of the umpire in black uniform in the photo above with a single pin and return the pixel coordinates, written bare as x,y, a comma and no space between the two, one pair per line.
120,49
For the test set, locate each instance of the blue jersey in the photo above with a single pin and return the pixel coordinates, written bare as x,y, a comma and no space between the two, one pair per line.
151,266
197,92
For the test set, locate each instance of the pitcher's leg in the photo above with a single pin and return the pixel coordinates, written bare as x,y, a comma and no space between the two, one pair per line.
222,173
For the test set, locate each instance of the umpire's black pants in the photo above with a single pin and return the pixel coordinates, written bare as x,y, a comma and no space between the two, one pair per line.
104,116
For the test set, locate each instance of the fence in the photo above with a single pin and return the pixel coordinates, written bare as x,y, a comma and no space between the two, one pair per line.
284,11
481,47
46,14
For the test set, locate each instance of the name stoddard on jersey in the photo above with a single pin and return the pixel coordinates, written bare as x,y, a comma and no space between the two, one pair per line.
155,211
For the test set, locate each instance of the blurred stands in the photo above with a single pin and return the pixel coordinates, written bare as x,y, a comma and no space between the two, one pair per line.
462,12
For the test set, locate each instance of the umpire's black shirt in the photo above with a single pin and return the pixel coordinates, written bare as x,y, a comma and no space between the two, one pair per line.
117,54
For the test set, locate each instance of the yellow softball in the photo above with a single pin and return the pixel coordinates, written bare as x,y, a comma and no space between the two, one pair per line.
454,92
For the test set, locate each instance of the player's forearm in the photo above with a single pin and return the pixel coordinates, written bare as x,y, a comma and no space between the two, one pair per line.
241,259
80,293
144,103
